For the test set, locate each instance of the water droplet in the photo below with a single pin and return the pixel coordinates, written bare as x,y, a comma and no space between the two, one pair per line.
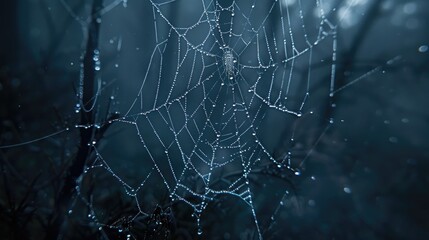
77,108
405,120
423,48
347,190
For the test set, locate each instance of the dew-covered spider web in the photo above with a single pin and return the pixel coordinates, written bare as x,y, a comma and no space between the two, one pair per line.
201,121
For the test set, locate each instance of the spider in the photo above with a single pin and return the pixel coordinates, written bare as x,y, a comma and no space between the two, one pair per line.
229,64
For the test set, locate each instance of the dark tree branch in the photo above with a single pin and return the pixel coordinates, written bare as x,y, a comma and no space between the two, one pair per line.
87,117
87,135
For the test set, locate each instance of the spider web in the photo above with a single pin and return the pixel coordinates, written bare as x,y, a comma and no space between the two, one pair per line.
214,78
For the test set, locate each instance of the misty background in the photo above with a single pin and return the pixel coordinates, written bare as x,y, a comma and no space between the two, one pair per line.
361,156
